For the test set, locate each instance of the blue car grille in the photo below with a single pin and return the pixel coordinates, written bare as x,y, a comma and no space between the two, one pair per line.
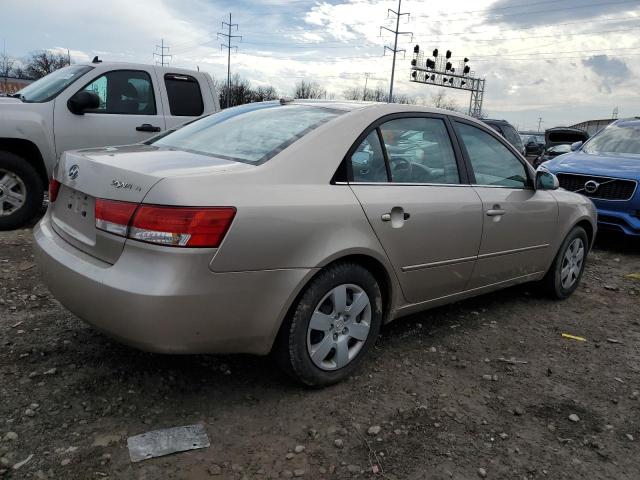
607,188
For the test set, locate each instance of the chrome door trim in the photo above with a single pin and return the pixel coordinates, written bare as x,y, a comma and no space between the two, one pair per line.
411,268
515,250
407,184
441,263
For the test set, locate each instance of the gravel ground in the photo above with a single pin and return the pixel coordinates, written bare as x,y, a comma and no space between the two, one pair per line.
484,388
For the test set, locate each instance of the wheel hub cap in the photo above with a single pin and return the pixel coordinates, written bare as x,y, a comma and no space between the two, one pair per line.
572,263
339,327
13,192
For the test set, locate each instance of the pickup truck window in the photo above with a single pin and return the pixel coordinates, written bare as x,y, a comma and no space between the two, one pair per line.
127,92
185,98
48,88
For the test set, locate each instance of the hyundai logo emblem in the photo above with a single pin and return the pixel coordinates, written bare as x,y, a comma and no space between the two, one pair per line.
73,172
591,186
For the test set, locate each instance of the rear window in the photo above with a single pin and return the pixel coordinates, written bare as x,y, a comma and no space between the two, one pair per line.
512,136
249,136
185,98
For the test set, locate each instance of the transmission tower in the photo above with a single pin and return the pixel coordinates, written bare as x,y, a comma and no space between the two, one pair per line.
228,46
395,48
161,54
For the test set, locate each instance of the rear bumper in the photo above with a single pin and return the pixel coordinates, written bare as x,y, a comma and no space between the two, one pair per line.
618,220
167,300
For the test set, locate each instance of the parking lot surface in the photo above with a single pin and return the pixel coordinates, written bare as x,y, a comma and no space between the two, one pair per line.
488,387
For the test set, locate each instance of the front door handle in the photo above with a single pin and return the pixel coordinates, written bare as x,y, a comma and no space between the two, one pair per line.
147,127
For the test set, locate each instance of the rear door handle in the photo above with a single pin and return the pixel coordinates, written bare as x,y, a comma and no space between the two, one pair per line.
147,127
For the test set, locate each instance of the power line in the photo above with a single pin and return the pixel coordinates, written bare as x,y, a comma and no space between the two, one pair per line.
395,49
228,46
531,12
162,55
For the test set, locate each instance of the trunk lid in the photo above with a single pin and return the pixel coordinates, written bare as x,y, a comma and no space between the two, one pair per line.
116,173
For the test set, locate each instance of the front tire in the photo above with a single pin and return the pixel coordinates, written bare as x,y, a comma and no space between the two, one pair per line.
335,322
21,191
566,271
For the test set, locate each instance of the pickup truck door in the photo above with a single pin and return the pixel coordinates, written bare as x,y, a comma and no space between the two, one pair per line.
184,97
130,110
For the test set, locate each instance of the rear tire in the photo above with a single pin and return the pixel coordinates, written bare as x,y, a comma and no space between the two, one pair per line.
566,271
21,191
329,330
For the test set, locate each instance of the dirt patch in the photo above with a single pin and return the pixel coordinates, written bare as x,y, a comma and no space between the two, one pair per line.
487,384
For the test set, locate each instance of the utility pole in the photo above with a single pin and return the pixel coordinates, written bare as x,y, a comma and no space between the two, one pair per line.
364,92
162,54
614,114
395,49
539,122
228,46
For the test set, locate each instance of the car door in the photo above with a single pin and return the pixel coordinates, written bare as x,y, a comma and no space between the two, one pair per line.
519,221
182,97
129,112
406,175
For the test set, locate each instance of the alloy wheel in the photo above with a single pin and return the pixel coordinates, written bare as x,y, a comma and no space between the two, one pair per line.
13,192
339,327
572,263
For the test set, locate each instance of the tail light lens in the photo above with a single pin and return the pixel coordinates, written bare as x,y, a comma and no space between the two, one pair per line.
113,216
54,188
170,226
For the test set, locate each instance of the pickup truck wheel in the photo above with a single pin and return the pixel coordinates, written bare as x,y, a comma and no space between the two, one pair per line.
21,191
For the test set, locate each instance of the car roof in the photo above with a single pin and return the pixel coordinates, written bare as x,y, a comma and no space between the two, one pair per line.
132,65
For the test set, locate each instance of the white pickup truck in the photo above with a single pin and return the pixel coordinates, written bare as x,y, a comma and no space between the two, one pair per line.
87,105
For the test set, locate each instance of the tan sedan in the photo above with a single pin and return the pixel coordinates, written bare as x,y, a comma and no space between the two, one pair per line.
299,228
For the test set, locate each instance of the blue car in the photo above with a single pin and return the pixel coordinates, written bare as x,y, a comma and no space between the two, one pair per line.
607,170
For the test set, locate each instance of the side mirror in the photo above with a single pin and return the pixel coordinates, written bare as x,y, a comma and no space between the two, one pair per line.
546,180
361,159
83,101
575,146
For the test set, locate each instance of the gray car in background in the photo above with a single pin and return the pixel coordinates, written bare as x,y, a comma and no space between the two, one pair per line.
299,228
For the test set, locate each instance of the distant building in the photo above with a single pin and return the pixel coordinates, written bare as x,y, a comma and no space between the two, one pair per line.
10,85
593,126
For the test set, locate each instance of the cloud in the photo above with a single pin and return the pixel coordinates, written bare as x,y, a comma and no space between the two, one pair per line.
610,71
537,58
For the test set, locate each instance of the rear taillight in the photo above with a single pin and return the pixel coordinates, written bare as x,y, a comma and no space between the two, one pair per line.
113,216
54,188
181,226
170,226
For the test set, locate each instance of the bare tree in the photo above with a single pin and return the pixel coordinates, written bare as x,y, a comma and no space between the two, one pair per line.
43,62
440,100
241,92
264,93
6,65
304,89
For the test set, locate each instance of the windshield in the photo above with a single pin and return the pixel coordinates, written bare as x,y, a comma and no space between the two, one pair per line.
619,138
48,87
250,134
564,148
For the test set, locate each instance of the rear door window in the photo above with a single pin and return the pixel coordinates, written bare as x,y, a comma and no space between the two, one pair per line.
185,97
419,151
367,162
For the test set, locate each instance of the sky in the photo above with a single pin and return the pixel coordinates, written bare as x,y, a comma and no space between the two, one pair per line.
564,61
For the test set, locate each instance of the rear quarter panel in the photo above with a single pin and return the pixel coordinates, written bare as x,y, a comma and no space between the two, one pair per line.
572,209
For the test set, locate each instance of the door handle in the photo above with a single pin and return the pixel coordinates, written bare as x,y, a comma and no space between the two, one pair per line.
396,216
496,211
147,127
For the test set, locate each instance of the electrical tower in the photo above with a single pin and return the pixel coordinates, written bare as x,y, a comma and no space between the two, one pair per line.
364,91
228,46
438,69
162,55
395,48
